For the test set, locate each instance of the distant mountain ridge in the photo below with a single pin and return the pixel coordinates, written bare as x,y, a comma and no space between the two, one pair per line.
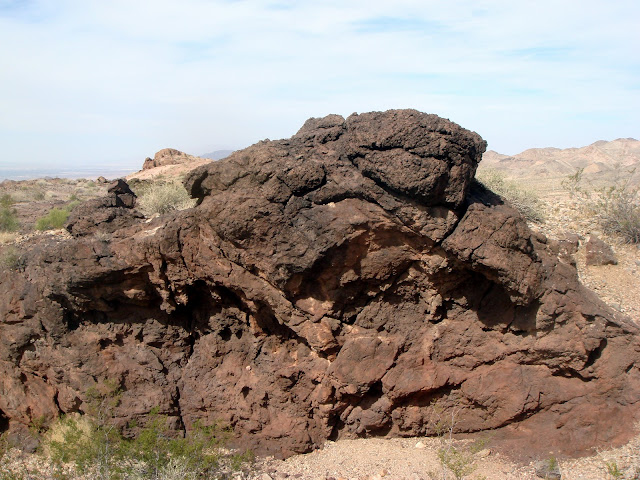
602,160
217,154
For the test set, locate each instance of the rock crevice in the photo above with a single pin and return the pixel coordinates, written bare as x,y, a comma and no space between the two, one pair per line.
330,285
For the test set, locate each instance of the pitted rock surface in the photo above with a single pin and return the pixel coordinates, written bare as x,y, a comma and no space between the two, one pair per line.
599,252
107,214
335,284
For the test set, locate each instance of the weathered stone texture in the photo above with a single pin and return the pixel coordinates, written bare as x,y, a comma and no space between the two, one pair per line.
330,285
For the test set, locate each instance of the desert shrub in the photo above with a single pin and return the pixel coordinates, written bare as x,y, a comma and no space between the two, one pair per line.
56,217
456,460
8,219
157,452
37,194
86,444
616,207
613,470
623,467
6,200
97,448
8,214
11,258
91,442
162,197
522,199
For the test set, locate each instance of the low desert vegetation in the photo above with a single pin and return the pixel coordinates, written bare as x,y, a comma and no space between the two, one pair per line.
616,207
457,460
160,197
56,217
11,258
7,237
627,468
28,193
91,446
522,199
8,214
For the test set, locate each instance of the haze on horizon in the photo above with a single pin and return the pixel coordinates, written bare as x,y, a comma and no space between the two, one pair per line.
88,83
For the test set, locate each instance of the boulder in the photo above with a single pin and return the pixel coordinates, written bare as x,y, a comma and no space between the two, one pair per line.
336,284
107,214
599,252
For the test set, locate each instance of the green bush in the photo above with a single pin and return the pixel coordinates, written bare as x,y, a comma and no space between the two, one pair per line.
155,453
96,446
156,450
56,218
162,197
523,200
6,200
8,219
8,214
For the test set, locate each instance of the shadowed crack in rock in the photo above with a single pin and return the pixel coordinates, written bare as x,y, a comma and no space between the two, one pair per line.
331,285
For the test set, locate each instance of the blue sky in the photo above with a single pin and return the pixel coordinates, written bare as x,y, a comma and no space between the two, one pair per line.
88,82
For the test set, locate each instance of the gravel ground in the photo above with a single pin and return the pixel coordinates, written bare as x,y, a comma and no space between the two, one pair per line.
417,458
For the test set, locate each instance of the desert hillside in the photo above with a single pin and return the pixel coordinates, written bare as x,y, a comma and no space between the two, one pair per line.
602,162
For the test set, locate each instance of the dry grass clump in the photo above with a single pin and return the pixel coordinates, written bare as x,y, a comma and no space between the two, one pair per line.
615,207
11,258
522,199
7,237
28,193
161,197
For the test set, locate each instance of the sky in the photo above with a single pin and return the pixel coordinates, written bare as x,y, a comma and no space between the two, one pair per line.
93,83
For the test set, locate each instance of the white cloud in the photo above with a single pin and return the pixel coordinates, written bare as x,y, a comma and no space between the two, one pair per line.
115,81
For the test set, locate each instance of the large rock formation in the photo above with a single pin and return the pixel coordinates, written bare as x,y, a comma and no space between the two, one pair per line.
168,156
334,284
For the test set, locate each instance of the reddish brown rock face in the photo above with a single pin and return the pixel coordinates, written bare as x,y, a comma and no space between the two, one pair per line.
331,285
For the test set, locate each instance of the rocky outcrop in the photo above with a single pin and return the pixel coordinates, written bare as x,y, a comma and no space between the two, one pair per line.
168,156
334,284
107,214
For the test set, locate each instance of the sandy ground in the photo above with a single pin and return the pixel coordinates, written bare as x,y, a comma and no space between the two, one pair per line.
417,458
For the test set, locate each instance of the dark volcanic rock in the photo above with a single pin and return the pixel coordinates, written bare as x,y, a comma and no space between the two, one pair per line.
107,214
331,285
598,252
